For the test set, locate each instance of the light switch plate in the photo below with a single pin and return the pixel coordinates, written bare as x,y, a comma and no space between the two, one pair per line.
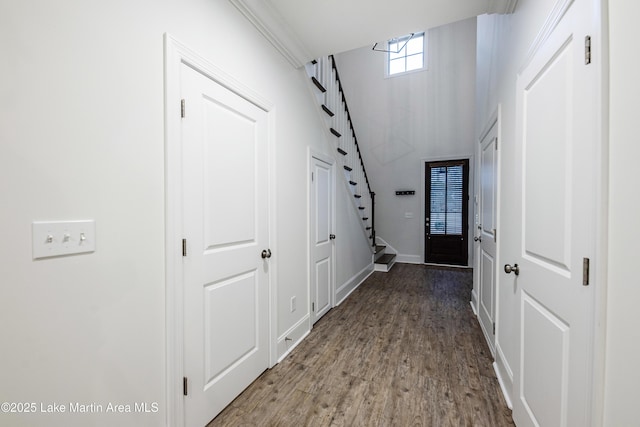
59,238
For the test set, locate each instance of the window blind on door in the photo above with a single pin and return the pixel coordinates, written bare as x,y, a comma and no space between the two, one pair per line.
446,200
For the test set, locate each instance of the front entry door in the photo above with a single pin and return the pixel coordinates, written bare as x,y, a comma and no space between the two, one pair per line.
321,210
446,205
557,118
225,224
487,234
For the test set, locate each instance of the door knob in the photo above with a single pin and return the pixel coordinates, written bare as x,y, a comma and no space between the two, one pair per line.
508,269
332,236
266,253
477,239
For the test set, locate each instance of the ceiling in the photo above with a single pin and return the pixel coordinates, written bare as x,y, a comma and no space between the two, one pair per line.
303,30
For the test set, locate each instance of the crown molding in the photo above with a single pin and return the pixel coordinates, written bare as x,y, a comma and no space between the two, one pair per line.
273,27
502,6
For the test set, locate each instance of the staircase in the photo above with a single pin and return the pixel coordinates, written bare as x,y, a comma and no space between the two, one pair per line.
332,101
383,261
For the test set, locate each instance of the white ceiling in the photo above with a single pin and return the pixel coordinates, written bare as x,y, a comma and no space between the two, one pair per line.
307,29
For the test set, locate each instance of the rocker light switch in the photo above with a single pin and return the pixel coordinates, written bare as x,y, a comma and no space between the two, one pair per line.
63,238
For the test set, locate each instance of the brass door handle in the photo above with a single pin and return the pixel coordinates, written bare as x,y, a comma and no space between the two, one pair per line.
515,269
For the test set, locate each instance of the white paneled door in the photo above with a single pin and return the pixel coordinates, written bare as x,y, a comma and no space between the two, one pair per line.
225,224
557,135
321,213
486,233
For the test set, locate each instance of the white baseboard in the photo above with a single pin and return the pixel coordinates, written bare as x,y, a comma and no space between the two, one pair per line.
409,259
294,336
504,374
352,284
473,305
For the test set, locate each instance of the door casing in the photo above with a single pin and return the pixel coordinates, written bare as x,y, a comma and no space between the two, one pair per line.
492,129
313,156
176,54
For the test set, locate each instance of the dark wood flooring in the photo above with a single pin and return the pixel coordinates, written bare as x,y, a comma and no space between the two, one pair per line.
403,350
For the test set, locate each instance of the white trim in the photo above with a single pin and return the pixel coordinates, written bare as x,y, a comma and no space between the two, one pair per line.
175,55
600,58
503,386
408,259
461,267
295,334
274,28
559,10
504,374
311,155
473,308
352,284
493,123
502,6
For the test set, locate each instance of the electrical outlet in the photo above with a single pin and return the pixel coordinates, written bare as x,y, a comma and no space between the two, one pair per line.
293,304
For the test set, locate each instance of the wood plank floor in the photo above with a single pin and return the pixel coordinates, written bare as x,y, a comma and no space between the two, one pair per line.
403,350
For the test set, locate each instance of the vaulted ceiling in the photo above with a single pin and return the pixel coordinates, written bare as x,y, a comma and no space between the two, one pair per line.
303,30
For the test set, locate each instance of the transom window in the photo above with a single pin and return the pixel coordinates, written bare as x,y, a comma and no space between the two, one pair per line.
406,53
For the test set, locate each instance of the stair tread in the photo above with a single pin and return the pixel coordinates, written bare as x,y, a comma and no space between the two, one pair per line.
386,259
318,84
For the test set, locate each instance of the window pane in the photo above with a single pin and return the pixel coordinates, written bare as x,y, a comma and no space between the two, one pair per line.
415,45
393,54
397,66
438,222
446,200
414,62
411,52
454,223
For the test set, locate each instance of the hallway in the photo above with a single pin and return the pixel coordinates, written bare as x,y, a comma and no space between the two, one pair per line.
404,349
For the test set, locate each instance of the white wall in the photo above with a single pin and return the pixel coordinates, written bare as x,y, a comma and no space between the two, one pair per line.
622,373
353,252
401,121
81,137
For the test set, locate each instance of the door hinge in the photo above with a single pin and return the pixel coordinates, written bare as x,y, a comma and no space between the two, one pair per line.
184,386
585,271
496,146
182,108
184,247
587,50
311,176
495,236
313,307
494,328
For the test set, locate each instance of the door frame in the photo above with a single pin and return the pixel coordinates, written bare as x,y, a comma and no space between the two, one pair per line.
494,122
470,209
332,292
175,55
